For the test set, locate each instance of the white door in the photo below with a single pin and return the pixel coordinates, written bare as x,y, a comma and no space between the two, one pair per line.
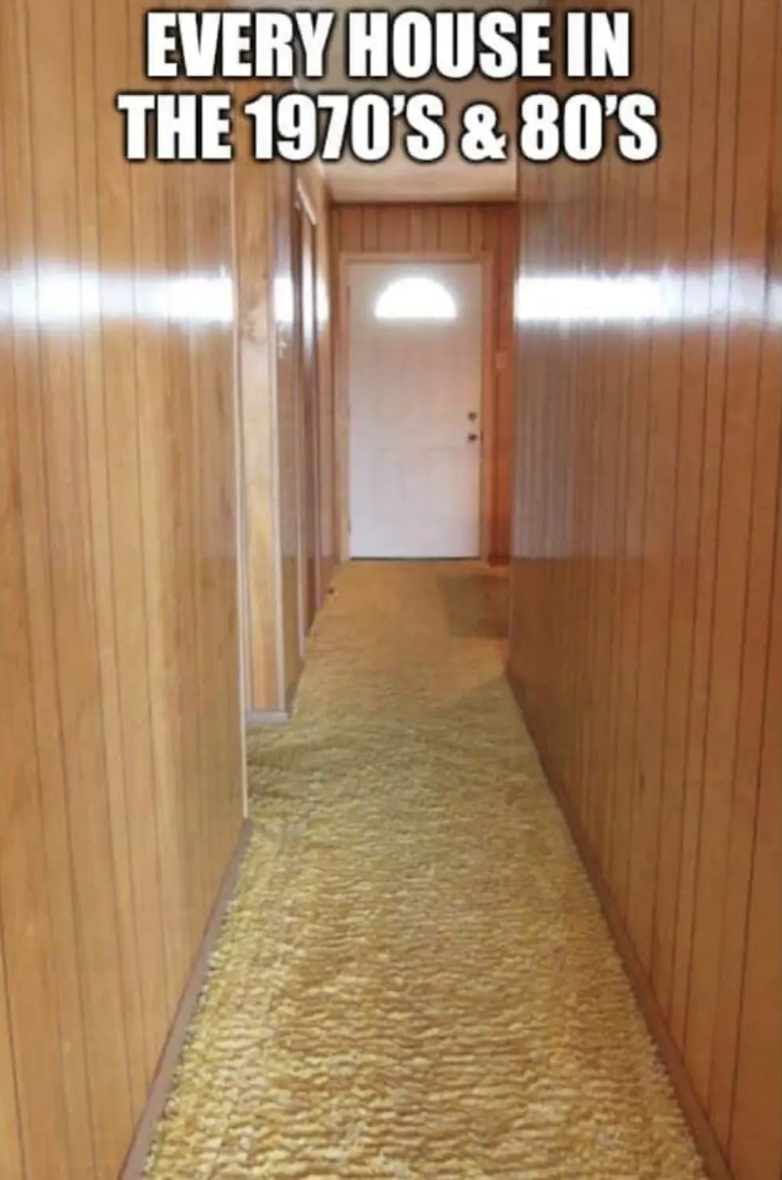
415,409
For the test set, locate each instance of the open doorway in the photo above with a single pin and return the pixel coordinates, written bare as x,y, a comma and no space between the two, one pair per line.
415,364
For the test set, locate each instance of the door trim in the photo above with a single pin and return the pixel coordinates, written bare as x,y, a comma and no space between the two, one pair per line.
485,260
308,418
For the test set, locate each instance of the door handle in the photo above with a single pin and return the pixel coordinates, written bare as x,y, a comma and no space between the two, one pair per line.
472,438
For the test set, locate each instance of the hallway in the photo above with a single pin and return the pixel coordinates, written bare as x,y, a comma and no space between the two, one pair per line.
414,980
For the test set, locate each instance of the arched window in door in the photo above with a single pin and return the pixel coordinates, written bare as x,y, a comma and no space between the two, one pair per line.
415,298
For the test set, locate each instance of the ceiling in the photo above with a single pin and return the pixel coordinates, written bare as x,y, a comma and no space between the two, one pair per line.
400,179
450,179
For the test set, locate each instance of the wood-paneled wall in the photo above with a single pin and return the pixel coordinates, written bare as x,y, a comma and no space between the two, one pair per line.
315,186
273,419
645,574
263,202
441,230
120,746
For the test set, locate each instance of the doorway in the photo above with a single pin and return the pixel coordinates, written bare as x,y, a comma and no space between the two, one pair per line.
305,264
415,375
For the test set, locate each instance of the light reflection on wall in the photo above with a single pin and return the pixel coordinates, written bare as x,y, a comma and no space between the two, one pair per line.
667,297
284,308
62,297
322,302
570,297
284,303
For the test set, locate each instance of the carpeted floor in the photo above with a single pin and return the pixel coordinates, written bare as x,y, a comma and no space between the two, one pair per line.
414,981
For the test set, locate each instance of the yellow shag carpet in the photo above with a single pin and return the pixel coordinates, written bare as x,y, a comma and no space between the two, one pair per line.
414,980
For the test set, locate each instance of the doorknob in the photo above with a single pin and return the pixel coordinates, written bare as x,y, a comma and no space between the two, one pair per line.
472,438
472,416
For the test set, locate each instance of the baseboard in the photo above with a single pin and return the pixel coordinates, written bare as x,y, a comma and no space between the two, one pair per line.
714,1162
135,1163
263,718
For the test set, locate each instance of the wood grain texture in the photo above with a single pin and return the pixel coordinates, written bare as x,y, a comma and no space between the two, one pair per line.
120,744
260,341
278,433
309,418
313,283
488,231
645,588
313,182
135,1167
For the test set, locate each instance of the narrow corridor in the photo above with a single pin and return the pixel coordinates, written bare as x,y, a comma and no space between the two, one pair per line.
414,979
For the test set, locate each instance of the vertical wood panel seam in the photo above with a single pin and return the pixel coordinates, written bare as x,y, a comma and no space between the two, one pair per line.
100,240
57,684
80,959
773,147
666,1001
144,576
681,393
715,557
721,327
756,817
21,1122
13,1098
645,346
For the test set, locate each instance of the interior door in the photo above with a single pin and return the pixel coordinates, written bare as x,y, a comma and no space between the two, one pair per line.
414,388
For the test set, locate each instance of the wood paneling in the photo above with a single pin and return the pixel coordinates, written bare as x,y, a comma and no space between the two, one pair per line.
288,433
120,745
261,340
314,193
440,230
274,424
311,179
308,393
645,588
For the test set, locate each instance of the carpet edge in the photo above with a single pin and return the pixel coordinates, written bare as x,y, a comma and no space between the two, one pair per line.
134,1167
714,1162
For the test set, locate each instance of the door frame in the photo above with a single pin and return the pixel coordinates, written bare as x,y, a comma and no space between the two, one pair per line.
308,416
488,448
